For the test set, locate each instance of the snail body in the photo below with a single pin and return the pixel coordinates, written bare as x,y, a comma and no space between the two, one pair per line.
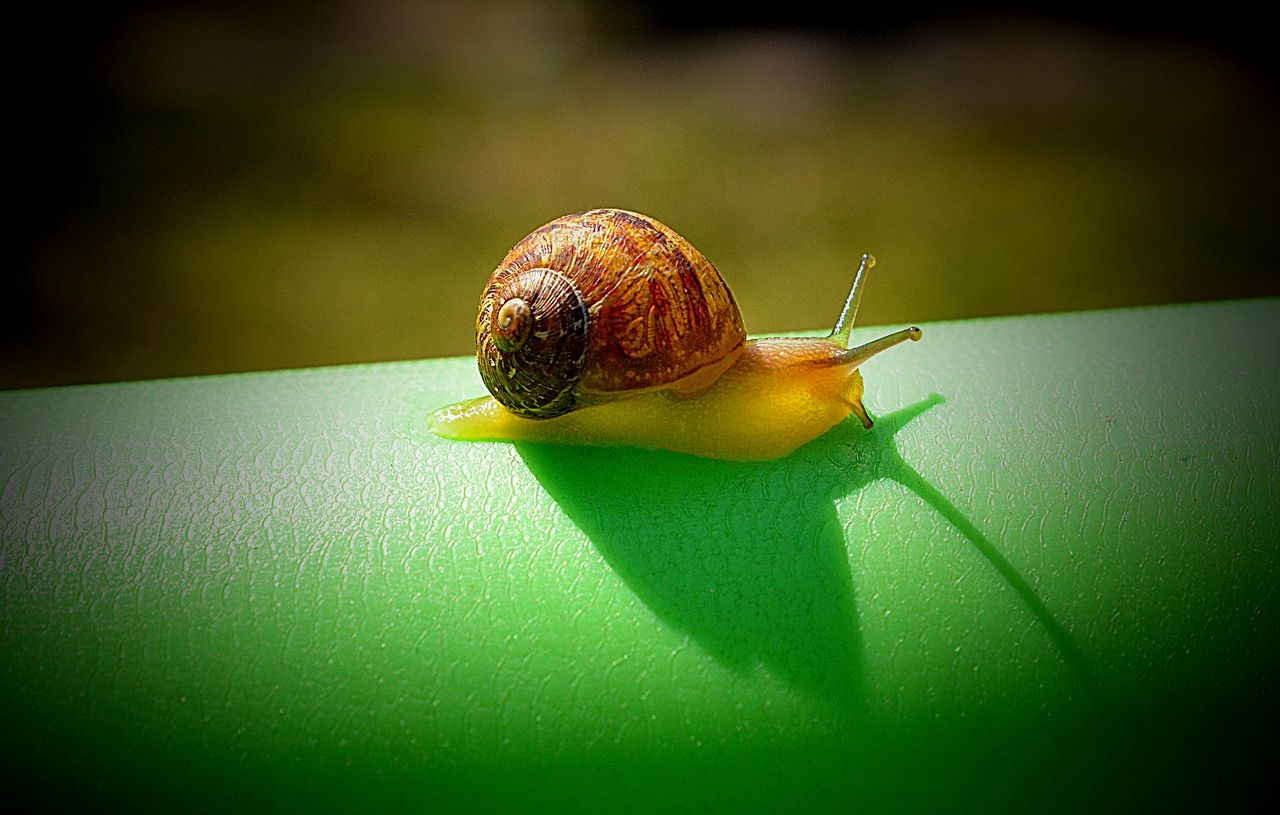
608,328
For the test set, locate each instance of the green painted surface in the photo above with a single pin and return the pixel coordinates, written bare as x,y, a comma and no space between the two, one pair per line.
1046,579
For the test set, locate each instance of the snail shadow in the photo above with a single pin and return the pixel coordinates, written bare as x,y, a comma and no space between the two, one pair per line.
749,559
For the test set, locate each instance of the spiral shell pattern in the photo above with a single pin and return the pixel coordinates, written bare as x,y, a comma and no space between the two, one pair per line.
532,366
594,305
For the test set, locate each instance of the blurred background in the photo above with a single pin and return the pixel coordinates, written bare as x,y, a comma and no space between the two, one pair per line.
212,187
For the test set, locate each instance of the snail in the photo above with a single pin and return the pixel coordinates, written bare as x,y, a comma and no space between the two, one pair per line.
608,328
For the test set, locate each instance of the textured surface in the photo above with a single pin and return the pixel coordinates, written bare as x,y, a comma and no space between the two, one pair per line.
1049,571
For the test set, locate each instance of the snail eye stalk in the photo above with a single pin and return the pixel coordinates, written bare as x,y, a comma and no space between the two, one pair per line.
844,324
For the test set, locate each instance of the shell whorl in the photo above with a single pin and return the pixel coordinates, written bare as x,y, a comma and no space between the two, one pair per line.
592,306
531,342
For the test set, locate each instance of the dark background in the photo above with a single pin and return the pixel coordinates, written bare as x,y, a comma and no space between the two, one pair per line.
210,187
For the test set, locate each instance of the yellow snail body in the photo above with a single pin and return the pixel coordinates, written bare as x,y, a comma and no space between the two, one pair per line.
608,328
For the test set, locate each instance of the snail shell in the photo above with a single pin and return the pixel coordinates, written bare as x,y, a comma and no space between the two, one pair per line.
600,305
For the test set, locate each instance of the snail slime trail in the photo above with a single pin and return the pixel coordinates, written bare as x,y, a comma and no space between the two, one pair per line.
607,328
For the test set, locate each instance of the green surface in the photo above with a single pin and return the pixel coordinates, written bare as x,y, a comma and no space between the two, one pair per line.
1047,579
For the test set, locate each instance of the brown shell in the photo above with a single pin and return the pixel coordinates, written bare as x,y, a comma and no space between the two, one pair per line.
630,306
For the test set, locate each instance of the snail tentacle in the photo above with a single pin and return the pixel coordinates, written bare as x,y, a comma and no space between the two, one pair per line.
844,324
